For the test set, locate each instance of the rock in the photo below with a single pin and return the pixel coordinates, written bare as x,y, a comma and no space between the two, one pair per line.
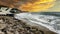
9,25
2,26
8,32
1,32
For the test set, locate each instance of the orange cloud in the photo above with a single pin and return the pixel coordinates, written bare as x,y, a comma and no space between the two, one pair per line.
36,5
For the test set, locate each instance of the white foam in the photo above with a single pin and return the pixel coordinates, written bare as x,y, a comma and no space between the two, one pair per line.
38,20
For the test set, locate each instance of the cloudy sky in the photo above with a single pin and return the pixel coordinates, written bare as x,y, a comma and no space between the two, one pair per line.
56,7
33,5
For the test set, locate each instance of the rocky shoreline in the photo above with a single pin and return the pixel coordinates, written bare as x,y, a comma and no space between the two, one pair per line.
10,25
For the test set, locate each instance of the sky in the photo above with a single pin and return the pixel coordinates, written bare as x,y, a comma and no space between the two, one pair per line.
56,7
36,5
33,5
